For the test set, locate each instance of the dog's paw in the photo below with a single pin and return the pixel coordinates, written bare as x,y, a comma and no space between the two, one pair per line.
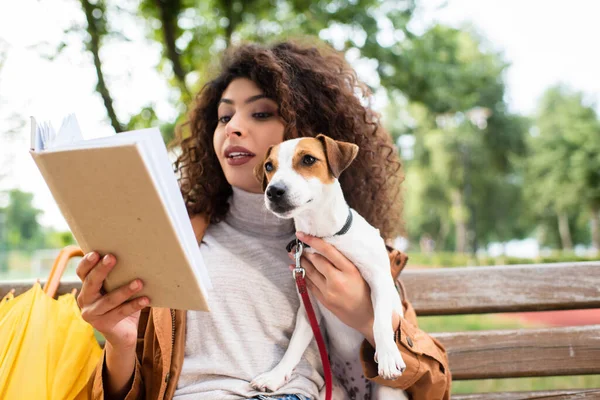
390,364
270,381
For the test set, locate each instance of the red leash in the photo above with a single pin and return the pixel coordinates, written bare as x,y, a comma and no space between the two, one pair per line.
301,283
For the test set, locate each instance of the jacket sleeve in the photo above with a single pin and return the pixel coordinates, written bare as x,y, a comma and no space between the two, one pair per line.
427,375
95,384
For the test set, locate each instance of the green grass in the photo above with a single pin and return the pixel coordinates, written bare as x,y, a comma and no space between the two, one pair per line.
490,322
458,323
526,384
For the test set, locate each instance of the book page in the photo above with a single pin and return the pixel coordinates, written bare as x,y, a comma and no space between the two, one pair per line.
44,137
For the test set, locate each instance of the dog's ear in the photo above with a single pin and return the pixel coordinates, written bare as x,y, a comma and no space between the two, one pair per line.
339,154
259,170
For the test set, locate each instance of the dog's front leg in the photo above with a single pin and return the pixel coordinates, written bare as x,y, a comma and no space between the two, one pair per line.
278,376
388,357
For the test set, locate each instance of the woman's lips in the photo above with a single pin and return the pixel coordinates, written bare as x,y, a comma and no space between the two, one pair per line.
239,159
238,155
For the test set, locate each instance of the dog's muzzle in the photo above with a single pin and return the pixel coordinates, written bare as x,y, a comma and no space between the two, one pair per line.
276,193
278,198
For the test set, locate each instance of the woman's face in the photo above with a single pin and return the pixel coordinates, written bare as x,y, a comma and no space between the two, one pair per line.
249,123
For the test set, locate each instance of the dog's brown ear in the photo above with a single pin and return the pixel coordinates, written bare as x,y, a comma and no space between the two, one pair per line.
259,170
339,154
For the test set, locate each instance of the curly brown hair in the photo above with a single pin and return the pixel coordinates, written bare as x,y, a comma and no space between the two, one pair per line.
317,92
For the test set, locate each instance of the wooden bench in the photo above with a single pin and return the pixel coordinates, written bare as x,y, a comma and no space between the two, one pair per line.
499,289
514,353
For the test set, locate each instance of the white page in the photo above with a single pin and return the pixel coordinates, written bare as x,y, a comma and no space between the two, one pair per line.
155,153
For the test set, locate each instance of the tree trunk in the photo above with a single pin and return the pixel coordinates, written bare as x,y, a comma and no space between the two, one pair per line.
440,241
169,12
564,231
595,223
232,16
459,215
94,48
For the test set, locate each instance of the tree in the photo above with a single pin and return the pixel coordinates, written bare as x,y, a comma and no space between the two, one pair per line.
563,167
464,137
97,29
21,228
193,33
451,73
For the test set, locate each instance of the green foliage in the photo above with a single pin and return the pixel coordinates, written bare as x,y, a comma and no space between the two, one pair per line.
58,240
445,69
562,168
462,189
194,33
20,228
474,176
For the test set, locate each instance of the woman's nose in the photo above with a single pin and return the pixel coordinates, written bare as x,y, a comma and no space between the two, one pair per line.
234,127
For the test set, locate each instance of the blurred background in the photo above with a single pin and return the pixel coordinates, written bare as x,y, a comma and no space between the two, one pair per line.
493,105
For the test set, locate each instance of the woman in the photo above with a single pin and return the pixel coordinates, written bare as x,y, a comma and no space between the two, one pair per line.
262,96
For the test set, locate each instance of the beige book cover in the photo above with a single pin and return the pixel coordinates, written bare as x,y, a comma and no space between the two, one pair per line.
110,194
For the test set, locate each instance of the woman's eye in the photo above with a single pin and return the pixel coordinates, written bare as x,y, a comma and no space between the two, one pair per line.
268,167
262,115
224,119
308,160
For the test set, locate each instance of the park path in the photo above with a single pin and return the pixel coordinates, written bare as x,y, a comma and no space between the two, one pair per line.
560,318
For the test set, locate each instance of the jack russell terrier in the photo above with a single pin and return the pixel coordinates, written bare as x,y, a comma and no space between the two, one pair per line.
300,178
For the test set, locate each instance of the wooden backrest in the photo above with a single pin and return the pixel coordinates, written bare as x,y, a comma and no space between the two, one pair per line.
513,353
476,290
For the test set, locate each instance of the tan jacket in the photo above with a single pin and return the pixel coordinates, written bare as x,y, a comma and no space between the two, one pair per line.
161,344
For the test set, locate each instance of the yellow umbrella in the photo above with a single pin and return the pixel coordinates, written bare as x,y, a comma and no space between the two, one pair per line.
47,351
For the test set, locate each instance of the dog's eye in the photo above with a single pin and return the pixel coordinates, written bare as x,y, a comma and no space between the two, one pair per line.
308,160
268,166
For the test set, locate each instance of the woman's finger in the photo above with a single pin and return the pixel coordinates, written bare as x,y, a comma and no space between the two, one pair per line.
86,264
315,291
115,298
90,289
327,250
313,274
322,265
113,317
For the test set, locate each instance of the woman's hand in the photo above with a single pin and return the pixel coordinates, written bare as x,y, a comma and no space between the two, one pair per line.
338,285
112,314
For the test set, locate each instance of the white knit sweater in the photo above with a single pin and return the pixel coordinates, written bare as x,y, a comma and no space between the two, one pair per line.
253,309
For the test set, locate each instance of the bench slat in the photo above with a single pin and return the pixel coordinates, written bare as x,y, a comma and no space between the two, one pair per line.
574,394
523,353
475,290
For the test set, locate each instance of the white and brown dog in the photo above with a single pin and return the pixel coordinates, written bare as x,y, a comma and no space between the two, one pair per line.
300,178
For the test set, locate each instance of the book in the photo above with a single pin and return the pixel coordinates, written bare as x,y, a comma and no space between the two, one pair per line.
119,195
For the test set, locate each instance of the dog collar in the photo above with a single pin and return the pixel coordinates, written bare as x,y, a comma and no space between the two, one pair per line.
342,231
347,225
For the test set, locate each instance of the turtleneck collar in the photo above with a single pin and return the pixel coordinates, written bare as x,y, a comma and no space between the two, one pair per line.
247,212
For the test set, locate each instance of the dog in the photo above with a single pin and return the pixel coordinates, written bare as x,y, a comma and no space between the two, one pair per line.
300,180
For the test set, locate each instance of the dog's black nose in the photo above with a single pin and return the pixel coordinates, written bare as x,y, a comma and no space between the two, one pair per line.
276,192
